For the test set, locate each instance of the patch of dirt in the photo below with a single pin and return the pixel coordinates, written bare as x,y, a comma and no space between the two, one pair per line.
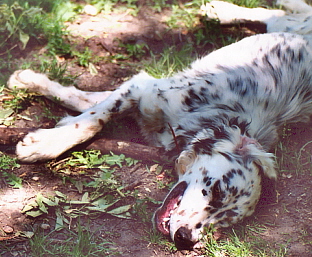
286,221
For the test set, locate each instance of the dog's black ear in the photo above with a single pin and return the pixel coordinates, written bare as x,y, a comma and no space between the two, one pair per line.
250,149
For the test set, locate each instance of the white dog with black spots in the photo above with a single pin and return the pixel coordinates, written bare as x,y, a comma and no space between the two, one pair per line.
224,112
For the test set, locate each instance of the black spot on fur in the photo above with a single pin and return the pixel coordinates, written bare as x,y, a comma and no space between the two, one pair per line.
227,156
101,122
208,82
215,96
220,215
231,173
126,94
225,179
198,225
161,95
217,195
207,181
194,100
233,190
243,125
221,133
216,204
212,211
277,50
204,192
207,208
243,86
231,213
244,193
204,146
117,105
188,101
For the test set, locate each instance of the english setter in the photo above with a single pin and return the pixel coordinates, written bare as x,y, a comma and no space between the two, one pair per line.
224,111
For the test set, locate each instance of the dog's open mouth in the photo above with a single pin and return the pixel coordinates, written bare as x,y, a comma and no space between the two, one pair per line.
172,201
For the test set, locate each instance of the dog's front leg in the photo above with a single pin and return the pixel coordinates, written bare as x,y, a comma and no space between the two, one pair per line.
45,144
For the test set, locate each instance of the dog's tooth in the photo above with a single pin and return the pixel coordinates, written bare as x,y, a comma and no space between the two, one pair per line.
166,219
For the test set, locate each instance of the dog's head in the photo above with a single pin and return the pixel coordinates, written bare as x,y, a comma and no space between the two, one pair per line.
219,183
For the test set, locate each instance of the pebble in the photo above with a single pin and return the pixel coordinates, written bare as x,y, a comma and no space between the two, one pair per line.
7,229
45,226
90,10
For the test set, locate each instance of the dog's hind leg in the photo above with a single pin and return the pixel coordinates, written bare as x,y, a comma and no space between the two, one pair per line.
69,97
296,20
228,13
45,144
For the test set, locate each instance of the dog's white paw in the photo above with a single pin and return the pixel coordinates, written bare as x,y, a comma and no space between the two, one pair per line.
28,79
214,9
208,11
43,144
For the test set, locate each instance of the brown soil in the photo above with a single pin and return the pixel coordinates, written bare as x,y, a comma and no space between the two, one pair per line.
286,220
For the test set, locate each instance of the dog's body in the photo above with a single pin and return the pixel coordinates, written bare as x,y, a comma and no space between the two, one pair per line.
223,112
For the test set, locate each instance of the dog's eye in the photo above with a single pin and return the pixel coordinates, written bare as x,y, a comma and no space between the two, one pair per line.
235,127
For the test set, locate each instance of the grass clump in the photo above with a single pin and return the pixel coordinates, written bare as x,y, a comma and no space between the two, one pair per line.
9,163
170,61
25,22
80,241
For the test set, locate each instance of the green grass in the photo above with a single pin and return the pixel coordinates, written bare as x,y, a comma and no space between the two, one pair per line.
7,164
170,61
243,241
77,242
26,21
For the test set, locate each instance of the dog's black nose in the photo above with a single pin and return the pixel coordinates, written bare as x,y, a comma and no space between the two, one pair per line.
183,239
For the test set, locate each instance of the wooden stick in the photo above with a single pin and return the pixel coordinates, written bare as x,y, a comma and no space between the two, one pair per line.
10,136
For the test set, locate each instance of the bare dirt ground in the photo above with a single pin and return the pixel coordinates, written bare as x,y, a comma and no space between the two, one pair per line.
286,220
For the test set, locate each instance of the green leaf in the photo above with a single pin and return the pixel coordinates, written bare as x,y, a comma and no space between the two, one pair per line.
40,203
27,208
92,69
120,210
59,224
34,214
5,113
48,201
24,38
58,193
78,184
85,197
28,234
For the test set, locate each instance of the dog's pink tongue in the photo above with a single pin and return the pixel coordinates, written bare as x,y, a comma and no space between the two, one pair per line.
162,215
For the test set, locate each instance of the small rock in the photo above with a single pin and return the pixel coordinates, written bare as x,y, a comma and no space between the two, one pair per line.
90,10
35,178
7,229
45,226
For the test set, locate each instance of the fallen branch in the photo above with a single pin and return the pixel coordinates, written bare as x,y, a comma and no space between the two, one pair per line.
134,150
10,136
